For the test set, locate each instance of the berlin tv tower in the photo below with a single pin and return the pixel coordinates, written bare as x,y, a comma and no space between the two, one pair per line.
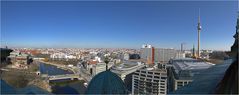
199,27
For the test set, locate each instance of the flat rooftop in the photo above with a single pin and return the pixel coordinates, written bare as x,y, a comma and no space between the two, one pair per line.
154,69
207,81
190,64
126,67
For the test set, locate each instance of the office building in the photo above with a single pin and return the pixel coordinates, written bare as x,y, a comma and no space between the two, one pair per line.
163,55
150,81
127,67
99,67
153,55
126,70
183,70
147,54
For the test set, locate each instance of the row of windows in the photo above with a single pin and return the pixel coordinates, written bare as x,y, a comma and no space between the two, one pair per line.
156,73
148,86
149,81
149,76
148,92
148,89
143,91
181,83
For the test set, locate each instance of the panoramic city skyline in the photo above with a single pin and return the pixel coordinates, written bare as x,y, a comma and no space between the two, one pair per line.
119,47
117,24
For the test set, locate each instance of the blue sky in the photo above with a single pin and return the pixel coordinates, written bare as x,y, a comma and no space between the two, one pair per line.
117,24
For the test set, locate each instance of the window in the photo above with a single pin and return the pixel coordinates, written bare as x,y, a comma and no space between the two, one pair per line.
156,77
156,80
136,73
162,84
163,77
162,93
179,85
143,72
148,79
142,78
162,89
157,73
180,82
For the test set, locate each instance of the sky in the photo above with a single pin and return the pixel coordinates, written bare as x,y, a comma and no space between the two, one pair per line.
126,24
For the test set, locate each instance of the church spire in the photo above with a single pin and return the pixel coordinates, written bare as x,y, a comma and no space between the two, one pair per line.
193,51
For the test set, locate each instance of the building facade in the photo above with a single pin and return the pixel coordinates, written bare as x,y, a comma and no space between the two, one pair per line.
99,67
182,71
163,55
150,81
147,53
153,55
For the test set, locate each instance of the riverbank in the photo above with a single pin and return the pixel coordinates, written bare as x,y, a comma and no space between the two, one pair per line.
65,61
74,69
54,64
64,86
20,78
68,87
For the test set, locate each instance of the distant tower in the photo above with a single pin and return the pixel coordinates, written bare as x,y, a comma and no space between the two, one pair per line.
199,27
182,47
193,51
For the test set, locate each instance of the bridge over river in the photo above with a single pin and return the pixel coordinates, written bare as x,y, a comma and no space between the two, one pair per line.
77,72
65,76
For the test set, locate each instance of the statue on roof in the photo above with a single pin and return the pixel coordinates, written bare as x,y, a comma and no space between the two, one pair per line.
234,47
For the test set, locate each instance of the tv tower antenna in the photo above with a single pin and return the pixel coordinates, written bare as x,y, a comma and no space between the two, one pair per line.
199,28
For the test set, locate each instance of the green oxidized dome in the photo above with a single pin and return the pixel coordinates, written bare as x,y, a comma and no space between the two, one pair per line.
106,82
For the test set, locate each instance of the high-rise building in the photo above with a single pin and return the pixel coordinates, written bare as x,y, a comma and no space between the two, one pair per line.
98,67
163,55
147,54
157,55
150,81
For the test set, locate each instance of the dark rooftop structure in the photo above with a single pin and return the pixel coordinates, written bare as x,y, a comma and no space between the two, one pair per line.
206,81
186,68
4,53
106,82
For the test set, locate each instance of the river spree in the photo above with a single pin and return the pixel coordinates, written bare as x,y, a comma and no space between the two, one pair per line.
65,86
52,70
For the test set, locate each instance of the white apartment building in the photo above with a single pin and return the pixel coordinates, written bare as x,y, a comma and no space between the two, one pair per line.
150,81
